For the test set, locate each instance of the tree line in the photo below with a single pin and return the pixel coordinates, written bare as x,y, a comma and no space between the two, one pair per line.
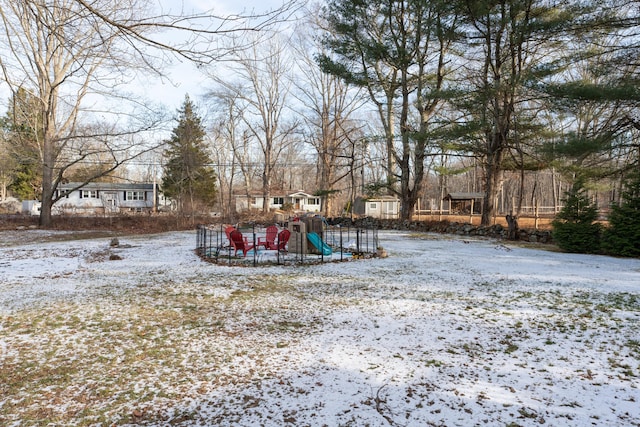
346,97
68,65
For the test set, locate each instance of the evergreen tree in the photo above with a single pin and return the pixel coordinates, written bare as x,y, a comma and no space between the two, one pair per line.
623,235
600,95
399,52
188,175
509,46
21,132
26,183
575,229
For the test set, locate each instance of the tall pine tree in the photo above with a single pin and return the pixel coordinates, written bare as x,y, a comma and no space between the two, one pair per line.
399,52
188,176
623,235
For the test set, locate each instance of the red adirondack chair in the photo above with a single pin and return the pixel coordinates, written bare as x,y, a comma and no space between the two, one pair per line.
228,231
269,241
283,238
239,243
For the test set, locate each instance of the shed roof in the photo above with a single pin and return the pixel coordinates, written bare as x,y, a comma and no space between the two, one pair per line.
380,199
463,196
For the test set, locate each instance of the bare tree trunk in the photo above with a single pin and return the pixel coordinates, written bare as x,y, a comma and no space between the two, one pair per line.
266,183
46,204
492,171
512,227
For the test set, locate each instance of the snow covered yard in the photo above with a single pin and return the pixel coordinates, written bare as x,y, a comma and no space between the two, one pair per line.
444,332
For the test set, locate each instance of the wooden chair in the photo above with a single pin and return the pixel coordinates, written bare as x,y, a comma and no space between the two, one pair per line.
283,238
269,241
239,243
228,231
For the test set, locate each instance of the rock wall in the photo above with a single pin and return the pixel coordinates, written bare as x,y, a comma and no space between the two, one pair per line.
463,229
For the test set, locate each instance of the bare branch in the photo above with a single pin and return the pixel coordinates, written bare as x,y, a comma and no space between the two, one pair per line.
196,37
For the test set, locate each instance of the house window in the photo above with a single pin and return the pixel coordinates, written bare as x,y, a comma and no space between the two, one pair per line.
391,207
134,195
373,205
313,201
88,194
278,200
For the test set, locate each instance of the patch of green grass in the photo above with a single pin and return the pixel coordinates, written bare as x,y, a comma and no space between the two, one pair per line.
526,413
634,346
623,301
510,346
142,338
624,368
518,324
434,362
286,325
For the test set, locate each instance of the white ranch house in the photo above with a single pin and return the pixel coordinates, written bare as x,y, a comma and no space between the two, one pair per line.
299,200
106,198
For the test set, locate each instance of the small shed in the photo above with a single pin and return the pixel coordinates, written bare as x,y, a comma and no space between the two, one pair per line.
31,207
384,207
464,203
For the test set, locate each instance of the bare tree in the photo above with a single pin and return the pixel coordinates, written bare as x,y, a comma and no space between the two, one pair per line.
222,156
260,82
193,36
62,57
230,148
329,106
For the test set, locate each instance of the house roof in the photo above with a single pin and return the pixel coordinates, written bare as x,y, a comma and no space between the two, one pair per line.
463,196
300,193
258,194
107,186
381,199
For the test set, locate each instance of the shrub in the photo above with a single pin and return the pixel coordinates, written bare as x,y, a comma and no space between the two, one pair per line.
623,235
575,229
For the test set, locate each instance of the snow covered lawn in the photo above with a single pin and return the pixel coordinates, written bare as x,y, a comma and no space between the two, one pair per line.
444,332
